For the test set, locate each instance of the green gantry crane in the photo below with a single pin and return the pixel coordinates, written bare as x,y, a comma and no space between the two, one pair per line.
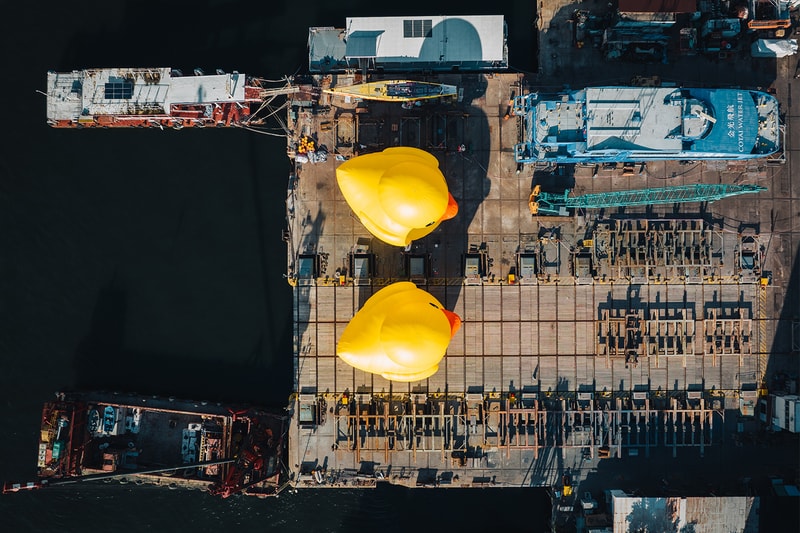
545,203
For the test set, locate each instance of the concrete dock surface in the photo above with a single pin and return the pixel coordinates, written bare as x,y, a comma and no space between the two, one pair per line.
541,381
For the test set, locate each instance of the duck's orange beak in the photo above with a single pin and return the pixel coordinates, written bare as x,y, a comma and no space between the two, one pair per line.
452,208
455,321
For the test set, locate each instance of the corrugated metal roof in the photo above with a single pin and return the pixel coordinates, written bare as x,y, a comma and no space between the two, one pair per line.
450,39
723,514
363,44
326,49
707,514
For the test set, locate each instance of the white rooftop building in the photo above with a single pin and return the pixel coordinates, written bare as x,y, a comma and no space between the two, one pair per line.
476,42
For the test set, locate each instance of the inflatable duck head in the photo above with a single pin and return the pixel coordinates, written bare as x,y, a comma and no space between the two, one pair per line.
399,194
401,333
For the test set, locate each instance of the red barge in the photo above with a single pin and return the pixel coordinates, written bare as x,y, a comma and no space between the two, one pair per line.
160,441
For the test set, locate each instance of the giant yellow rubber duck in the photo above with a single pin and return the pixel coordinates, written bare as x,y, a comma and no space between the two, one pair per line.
401,332
399,194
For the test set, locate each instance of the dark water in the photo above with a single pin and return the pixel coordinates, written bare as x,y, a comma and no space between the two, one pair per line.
152,261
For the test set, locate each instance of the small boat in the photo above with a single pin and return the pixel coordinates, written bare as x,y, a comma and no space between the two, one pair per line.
93,423
396,90
109,419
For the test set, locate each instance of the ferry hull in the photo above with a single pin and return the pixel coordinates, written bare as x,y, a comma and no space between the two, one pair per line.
637,124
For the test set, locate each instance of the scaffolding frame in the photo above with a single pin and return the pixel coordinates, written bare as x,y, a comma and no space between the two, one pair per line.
464,425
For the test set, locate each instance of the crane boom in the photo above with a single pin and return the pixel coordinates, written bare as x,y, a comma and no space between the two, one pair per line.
544,203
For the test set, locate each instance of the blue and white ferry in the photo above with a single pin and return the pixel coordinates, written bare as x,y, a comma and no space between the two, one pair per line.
619,124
